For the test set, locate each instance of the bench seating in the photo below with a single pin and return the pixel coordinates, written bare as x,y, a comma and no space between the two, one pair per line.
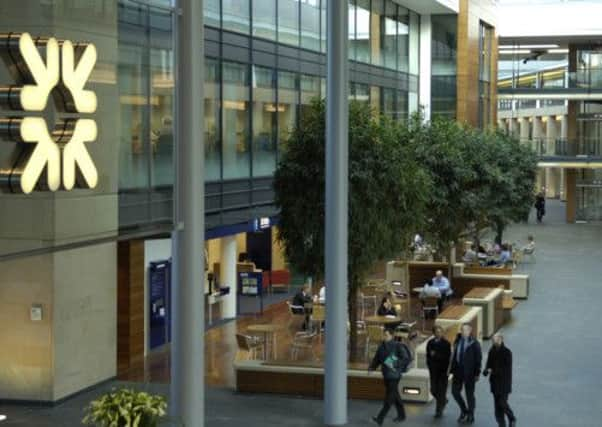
307,379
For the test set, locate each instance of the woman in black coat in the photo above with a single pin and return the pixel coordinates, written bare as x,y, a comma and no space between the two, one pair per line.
499,367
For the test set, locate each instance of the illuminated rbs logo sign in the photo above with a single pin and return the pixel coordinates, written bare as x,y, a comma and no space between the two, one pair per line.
56,158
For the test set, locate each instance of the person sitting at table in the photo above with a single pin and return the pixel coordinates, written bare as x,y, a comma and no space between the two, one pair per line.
431,291
322,295
470,256
298,304
442,283
529,248
504,258
386,308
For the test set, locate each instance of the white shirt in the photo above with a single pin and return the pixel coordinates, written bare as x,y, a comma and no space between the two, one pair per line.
322,295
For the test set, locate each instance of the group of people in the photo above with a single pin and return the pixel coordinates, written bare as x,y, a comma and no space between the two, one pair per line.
437,287
496,255
463,360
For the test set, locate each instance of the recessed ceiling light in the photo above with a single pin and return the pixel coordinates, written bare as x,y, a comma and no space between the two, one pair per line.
2,417
514,52
558,51
528,46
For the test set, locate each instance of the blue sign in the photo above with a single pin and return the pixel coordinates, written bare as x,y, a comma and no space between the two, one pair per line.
159,278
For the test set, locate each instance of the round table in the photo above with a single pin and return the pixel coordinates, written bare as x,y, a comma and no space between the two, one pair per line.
266,329
383,320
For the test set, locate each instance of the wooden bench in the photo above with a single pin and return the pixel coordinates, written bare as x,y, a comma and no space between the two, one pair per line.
299,378
498,271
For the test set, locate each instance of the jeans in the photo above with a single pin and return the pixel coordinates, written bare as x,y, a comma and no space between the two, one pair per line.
457,384
502,409
439,388
392,397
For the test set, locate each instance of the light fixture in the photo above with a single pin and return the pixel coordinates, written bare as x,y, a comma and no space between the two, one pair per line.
2,417
558,51
514,52
411,390
528,46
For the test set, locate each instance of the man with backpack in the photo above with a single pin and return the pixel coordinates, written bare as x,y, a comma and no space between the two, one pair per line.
394,358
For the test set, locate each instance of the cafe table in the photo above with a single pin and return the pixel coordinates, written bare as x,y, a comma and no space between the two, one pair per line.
269,331
383,320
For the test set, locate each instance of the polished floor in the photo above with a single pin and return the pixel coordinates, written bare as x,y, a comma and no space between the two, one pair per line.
555,337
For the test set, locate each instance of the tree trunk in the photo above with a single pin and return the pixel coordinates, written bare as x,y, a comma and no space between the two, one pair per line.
353,316
499,231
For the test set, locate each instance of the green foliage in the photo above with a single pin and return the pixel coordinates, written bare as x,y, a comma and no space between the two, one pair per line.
388,191
125,408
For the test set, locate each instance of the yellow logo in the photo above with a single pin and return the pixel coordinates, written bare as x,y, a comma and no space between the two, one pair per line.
61,152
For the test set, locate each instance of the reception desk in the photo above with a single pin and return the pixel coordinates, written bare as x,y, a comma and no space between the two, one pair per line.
307,379
490,300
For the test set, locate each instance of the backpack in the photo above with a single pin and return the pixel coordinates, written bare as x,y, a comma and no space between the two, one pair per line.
398,361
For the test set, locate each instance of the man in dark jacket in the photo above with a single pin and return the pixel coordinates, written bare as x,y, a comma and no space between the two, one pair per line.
438,354
300,302
540,206
393,358
499,367
466,368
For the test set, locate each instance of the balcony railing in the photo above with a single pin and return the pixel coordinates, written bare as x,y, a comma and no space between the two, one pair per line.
562,147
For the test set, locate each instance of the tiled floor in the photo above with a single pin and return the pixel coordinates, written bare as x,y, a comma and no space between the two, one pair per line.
555,337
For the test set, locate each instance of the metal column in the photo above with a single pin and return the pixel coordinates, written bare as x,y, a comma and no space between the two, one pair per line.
188,306
337,153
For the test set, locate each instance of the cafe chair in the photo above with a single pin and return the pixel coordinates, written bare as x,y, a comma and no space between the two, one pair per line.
250,345
369,306
318,317
303,343
296,316
429,305
374,336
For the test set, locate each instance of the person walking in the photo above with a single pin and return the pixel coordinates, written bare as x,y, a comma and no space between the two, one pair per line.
540,206
394,358
466,368
438,354
499,369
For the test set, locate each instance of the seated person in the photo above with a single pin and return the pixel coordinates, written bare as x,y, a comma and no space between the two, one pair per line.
429,290
301,298
386,308
470,256
298,304
442,283
322,295
529,248
504,258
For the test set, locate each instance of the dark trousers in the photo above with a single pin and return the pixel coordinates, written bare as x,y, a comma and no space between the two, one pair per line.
439,387
457,384
540,214
392,397
502,409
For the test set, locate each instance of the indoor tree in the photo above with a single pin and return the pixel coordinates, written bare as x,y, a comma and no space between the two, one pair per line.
388,191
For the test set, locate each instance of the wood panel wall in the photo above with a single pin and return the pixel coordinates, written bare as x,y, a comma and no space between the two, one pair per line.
130,304
472,12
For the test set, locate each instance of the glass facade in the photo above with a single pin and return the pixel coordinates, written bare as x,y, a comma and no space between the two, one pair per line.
444,56
485,44
253,97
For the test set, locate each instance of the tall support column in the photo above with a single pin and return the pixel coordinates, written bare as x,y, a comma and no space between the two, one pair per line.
187,392
525,130
228,276
425,65
337,187
552,133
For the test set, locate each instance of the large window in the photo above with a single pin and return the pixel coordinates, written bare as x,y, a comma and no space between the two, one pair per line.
264,19
264,121
212,12
362,31
212,120
288,101
310,24
288,22
389,36
236,15
485,44
310,89
443,52
403,39
235,120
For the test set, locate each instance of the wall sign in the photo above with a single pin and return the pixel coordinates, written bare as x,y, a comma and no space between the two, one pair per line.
57,158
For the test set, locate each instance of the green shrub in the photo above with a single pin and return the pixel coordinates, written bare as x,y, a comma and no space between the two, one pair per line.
125,408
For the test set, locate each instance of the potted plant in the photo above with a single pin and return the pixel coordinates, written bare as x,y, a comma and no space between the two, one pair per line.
125,408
